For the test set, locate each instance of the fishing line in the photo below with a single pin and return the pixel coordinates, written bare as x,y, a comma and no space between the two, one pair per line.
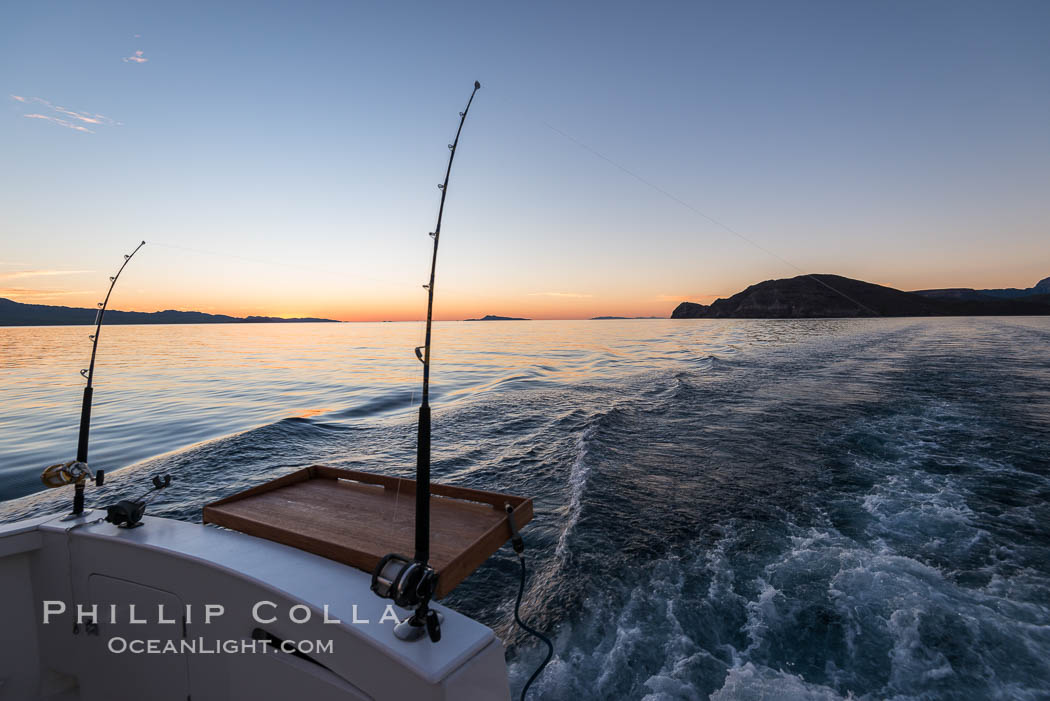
696,211
709,218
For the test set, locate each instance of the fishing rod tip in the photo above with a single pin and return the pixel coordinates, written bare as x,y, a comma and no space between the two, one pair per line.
477,85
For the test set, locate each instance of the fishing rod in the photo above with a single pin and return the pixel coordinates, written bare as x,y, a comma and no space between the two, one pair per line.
77,471
423,440
411,584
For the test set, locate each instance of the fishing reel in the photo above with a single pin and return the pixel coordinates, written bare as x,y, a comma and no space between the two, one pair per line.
128,513
76,473
407,582
410,584
72,472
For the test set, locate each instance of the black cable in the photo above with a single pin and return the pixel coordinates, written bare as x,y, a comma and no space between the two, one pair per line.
530,631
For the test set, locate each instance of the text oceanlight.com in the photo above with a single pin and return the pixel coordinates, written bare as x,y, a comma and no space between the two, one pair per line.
200,646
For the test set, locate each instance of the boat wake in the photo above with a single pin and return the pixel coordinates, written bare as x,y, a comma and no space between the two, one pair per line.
810,510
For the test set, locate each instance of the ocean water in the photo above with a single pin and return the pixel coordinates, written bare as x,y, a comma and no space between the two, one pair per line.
816,509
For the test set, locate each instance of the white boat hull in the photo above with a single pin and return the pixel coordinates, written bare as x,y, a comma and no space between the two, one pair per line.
207,598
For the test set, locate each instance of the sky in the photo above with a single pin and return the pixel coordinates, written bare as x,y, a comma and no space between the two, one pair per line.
621,157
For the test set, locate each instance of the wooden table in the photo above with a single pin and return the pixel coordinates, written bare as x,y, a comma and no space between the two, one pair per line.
358,517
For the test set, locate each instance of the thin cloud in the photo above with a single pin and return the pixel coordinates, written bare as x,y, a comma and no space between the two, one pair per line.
70,119
558,294
40,273
30,295
61,122
88,117
136,58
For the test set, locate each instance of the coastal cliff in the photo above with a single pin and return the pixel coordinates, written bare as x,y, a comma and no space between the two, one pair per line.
832,296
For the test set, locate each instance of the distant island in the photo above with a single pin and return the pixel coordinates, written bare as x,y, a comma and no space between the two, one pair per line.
490,317
965,293
825,296
17,314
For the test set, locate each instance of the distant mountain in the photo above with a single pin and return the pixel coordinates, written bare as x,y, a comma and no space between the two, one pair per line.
825,296
490,317
1041,288
17,314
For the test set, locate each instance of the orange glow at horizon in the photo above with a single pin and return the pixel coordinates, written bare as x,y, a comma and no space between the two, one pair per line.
385,286
141,291
348,309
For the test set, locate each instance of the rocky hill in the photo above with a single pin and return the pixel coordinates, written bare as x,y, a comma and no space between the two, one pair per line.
492,317
826,296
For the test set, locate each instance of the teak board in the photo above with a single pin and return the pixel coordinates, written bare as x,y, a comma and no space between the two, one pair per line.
358,517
